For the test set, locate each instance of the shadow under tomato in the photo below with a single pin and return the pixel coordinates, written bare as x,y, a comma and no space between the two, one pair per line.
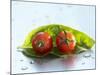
45,59
69,61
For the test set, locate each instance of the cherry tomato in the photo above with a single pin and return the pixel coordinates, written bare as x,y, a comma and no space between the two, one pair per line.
65,42
42,43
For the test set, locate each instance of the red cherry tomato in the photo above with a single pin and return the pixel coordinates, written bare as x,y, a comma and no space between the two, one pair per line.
42,43
65,42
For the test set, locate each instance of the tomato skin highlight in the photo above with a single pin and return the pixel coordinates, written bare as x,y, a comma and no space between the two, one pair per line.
42,43
65,42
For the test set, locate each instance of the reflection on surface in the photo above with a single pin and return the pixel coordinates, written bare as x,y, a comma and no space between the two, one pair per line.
69,61
52,63
64,63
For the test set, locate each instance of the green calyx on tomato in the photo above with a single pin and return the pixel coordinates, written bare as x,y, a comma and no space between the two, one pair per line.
65,42
40,43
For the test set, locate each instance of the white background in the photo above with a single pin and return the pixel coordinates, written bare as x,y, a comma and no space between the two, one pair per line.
5,37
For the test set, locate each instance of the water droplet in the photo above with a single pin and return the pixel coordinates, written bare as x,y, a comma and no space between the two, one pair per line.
21,60
31,62
83,63
24,68
87,55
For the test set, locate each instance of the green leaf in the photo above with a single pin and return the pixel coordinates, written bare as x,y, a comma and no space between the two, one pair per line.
29,52
83,41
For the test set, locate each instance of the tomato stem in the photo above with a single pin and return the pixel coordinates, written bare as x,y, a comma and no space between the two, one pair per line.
66,39
40,43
